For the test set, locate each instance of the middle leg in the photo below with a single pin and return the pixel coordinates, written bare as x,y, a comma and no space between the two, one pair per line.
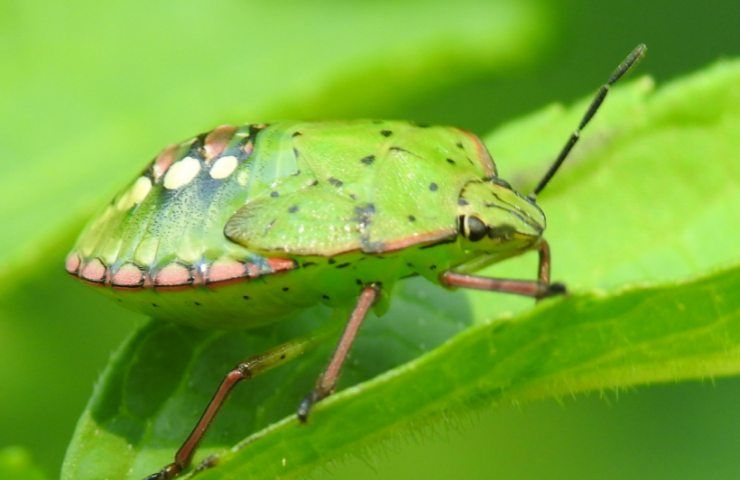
328,380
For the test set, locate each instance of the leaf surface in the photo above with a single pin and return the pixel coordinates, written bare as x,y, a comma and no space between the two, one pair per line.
437,352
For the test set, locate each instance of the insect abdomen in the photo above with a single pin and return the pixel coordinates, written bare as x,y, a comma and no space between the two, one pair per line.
166,229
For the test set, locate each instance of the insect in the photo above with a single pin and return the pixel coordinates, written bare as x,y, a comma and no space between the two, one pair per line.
239,227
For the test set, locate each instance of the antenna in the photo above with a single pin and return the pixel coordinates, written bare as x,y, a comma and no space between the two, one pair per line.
623,68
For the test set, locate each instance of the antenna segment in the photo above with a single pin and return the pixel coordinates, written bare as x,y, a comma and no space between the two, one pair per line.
623,68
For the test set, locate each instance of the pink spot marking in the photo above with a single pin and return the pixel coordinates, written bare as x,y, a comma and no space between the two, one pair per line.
72,264
217,140
172,275
129,275
164,160
248,147
280,264
93,271
226,270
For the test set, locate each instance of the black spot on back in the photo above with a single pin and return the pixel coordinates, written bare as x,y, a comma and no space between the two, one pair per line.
433,187
462,202
336,182
460,146
451,161
293,209
296,134
364,216
274,194
245,297
386,133
295,152
343,265
411,218
366,210
368,160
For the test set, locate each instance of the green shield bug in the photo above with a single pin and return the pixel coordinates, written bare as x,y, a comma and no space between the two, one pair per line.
239,227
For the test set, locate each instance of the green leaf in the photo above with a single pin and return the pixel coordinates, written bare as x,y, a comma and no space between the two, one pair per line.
650,196
587,342
16,464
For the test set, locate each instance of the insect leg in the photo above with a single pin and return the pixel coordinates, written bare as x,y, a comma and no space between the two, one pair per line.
244,370
328,380
527,288
543,270
540,288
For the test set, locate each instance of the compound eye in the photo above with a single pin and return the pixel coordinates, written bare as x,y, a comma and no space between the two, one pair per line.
473,228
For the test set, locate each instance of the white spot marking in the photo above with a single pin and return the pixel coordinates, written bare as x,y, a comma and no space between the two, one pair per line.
242,177
135,194
124,203
181,173
223,167
146,252
140,189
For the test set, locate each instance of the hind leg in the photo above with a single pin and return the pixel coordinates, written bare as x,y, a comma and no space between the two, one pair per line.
243,371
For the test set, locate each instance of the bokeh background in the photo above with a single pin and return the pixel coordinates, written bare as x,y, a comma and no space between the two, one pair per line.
90,90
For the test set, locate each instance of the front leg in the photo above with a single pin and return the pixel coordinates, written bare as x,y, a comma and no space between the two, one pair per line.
540,288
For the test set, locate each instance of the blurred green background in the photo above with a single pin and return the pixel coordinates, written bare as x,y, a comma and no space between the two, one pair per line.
91,90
